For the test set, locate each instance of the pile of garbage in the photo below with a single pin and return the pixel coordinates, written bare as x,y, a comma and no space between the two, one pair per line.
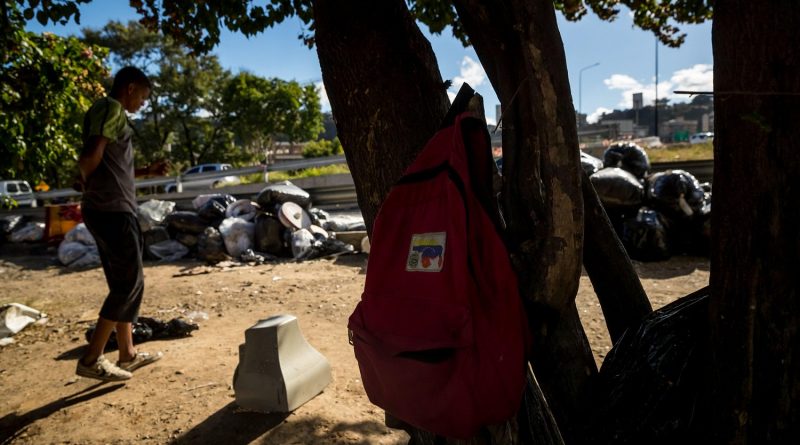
78,250
19,229
280,223
655,215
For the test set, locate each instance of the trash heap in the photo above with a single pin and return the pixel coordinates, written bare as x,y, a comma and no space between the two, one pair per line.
280,223
78,250
19,229
655,215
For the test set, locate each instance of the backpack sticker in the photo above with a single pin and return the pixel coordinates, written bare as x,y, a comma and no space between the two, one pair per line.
426,253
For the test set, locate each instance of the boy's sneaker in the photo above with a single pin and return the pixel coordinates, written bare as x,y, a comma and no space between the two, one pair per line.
141,359
103,370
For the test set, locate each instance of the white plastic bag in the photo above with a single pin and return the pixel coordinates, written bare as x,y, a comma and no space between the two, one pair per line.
89,259
153,212
169,250
238,235
14,317
243,208
301,243
81,235
69,251
29,232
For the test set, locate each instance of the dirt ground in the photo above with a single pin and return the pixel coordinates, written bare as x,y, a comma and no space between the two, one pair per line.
187,397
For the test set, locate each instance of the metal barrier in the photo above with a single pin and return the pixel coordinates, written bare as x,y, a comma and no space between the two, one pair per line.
169,180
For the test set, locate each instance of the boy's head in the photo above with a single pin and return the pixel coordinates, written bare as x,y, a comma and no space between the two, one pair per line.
131,88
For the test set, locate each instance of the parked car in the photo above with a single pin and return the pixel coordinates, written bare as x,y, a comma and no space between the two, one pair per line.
699,138
190,183
15,190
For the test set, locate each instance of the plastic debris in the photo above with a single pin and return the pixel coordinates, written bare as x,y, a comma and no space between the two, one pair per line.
268,234
14,317
212,211
69,251
651,385
186,221
152,213
645,237
238,235
677,194
243,208
211,246
145,329
617,188
80,234
301,243
629,157
223,198
282,192
590,164
29,232
344,223
169,250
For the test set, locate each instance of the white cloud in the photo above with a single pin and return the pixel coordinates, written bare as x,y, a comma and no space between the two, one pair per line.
471,72
323,96
699,77
594,117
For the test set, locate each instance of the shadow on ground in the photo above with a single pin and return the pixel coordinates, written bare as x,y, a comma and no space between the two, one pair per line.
239,428
11,425
676,266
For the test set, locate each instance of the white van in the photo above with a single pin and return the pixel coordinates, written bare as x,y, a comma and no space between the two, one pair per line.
699,138
13,190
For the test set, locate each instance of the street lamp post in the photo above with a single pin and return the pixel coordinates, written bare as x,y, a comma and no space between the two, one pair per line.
580,85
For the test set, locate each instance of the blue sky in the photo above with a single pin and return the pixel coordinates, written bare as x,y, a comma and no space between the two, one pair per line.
626,57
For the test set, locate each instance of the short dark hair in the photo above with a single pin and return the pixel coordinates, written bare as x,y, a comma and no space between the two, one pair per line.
127,76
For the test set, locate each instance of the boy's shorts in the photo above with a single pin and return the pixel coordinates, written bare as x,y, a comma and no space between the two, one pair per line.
119,242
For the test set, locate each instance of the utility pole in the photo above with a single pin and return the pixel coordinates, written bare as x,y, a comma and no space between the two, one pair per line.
580,85
656,102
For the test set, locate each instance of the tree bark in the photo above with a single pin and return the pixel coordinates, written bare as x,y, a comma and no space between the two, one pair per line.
755,305
385,90
615,282
520,48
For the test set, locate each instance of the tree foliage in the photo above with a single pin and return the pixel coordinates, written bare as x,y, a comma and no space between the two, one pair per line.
322,147
46,85
198,112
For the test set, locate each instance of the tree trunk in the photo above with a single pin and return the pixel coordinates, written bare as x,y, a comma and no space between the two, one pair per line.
755,305
615,282
384,87
520,48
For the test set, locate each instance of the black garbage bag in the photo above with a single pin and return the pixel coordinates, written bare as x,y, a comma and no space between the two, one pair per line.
318,216
325,247
651,386
279,193
187,239
213,211
145,329
224,199
590,164
154,236
186,221
645,237
211,246
627,156
677,194
269,234
617,188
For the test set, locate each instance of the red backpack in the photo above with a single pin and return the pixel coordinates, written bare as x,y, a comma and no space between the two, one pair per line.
440,332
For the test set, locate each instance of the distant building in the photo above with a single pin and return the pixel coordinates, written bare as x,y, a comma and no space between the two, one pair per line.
677,130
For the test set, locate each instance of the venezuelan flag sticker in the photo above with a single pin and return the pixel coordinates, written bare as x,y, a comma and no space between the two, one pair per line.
427,252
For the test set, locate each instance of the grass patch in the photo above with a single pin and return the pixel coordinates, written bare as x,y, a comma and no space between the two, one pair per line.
682,152
278,176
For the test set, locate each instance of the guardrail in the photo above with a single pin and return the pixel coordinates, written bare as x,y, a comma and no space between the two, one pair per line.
333,191
169,180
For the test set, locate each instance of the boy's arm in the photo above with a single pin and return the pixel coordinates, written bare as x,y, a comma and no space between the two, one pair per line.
91,155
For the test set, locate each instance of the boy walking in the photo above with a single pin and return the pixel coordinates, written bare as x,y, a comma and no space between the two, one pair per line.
109,212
